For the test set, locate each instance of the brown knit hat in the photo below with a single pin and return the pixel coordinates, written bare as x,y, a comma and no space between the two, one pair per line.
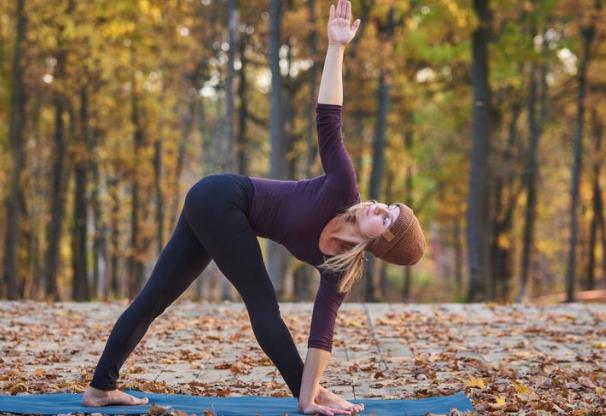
403,243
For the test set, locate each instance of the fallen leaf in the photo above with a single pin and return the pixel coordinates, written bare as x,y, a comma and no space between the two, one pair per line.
500,401
475,382
521,388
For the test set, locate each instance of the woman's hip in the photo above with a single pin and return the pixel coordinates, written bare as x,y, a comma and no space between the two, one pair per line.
218,194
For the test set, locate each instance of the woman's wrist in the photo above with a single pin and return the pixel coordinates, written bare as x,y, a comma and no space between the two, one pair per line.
305,398
336,45
302,403
321,393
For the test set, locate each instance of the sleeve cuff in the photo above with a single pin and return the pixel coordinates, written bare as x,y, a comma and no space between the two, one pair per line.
320,345
332,108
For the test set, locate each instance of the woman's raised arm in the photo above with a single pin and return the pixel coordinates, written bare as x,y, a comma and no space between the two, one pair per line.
340,33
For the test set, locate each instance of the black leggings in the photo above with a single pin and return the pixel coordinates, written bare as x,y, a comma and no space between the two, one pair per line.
212,225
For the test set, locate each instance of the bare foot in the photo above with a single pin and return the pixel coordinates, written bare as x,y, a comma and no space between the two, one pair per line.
327,398
93,397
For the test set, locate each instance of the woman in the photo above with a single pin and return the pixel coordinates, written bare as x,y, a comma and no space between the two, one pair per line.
319,220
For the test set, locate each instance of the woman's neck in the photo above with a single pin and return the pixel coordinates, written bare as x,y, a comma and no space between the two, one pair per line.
338,235
345,232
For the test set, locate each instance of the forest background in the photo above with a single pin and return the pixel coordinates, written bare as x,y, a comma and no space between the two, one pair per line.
486,117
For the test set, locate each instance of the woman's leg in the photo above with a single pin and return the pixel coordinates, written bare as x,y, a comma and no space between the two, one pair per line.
181,261
224,230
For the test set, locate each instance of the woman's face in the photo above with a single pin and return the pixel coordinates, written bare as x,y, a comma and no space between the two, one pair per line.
376,218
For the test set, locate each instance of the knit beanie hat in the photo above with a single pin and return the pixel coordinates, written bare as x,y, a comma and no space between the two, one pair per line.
403,243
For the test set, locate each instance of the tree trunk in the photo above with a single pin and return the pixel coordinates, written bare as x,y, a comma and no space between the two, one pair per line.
276,254
187,123
101,275
535,129
312,98
100,261
304,283
26,281
408,190
378,160
458,258
36,212
58,189
203,283
289,117
2,51
228,139
241,154
598,129
602,227
305,274
159,195
596,199
500,254
383,281
135,261
16,129
80,289
290,91
116,284
588,34
589,282
378,156
277,168
478,201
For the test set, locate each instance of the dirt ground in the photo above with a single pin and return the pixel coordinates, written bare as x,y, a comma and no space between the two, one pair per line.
508,359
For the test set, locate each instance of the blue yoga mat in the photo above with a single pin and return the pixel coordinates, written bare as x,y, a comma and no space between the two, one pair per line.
55,403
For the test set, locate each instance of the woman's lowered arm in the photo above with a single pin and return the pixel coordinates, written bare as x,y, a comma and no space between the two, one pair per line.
326,306
340,33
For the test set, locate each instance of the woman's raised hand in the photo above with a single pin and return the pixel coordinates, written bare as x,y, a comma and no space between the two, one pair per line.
340,29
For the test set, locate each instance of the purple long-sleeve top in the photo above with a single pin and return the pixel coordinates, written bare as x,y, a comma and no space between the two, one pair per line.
294,213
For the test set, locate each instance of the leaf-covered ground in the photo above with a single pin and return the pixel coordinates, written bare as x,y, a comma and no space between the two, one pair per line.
509,359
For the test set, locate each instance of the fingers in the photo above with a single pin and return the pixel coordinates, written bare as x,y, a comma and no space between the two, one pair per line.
325,410
342,8
335,410
355,26
341,11
330,411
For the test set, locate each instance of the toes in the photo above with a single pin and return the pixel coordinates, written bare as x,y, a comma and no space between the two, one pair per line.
136,400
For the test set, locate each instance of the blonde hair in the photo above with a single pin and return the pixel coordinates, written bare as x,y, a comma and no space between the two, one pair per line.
351,261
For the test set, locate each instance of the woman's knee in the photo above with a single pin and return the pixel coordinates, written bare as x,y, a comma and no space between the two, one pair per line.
264,316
